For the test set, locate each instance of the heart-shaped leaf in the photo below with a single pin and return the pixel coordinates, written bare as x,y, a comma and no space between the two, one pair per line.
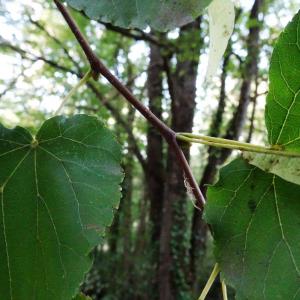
254,217
160,15
57,194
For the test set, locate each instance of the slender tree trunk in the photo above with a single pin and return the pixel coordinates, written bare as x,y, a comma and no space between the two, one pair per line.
155,166
155,176
218,157
254,104
127,201
173,247
113,234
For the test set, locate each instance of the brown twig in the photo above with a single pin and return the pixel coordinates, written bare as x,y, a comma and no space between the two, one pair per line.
168,134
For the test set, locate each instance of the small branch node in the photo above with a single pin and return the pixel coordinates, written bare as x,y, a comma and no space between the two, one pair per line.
34,143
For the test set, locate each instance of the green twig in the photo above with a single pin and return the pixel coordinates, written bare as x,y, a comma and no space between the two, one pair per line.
83,81
230,144
224,290
210,281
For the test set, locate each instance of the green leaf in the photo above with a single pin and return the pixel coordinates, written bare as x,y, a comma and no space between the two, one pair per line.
57,196
254,218
283,101
287,168
160,15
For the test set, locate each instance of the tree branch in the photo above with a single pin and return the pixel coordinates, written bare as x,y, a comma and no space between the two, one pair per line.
168,134
41,27
11,85
32,57
139,36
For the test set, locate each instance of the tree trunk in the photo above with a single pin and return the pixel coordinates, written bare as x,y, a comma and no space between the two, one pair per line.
248,75
173,246
155,167
254,104
127,201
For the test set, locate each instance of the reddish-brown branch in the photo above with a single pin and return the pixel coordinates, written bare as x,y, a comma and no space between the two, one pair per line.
98,68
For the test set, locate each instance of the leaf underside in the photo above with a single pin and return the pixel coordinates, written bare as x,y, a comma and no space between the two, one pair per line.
57,196
160,15
287,168
256,225
220,30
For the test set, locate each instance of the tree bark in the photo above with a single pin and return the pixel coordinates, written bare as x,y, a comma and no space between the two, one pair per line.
173,248
155,176
127,201
254,104
155,166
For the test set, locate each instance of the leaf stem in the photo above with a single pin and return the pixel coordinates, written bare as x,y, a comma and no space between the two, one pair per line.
230,144
83,81
211,279
224,290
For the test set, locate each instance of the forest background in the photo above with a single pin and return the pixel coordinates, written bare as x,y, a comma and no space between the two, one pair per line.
157,247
